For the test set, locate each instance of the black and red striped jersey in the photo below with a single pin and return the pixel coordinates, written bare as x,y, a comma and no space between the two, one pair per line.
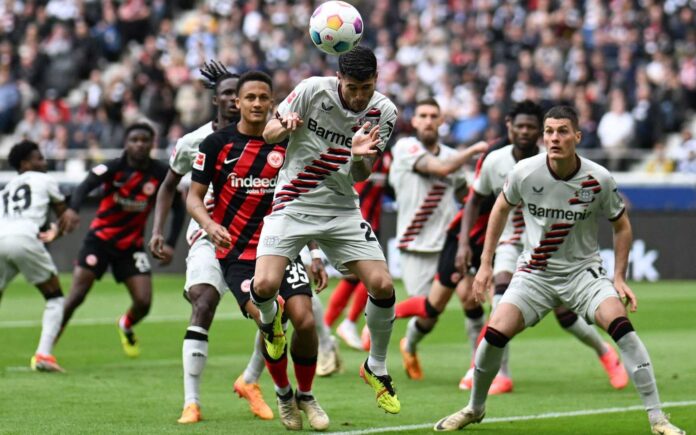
128,196
244,171
371,191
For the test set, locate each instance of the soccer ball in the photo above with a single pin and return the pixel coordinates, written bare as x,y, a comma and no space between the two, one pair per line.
336,27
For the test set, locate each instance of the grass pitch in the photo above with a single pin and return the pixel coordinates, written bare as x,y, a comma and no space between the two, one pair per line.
105,392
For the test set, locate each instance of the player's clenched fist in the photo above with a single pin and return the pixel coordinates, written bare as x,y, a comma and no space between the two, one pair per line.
218,235
291,121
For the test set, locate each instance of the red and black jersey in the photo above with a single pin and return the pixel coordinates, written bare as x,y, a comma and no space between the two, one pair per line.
371,191
244,171
477,234
128,196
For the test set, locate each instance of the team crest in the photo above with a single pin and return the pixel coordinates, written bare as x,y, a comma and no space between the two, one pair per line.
586,194
246,286
91,260
275,159
149,188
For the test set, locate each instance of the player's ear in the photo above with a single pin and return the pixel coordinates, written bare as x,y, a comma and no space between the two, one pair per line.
215,100
237,102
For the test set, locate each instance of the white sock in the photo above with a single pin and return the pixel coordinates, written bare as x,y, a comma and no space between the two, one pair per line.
282,391
637,362
473,330
380,322
50,324
195,355
588,335
254,368
323,331
487,365
267,308
413,335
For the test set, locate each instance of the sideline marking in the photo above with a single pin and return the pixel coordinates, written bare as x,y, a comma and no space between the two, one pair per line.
545,416
11,324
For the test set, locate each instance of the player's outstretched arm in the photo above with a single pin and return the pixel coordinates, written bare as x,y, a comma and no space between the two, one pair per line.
196,208
428,164
496,224
165,199
623,238
70,219
279,128
462,261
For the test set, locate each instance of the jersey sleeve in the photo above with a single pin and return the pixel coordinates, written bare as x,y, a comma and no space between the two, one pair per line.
512,187
203,166
180,160
386,125
409,153
99,174
298,100
482,182
53,190
613,204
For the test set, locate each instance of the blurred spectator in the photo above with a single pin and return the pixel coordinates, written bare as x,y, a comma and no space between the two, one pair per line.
658,163
687,158
615,130
52,109
9,101
30,126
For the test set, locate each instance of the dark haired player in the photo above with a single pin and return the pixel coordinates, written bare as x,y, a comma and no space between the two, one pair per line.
560,264
524,130
25,203
205,285
243,170
336,126
115,237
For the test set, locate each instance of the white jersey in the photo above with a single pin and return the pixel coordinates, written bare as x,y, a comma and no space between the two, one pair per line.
181,162
25,202
315,178
561,214
490,180
425,203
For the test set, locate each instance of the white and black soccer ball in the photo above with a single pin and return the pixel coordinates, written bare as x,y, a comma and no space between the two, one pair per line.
336,27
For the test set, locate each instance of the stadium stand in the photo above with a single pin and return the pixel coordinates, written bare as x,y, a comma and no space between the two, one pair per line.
73,72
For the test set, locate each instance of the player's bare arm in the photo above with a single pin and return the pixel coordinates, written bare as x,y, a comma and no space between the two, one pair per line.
278,129
431,165
471,212
196,208
165,199
623,238
319,275
70,219
53,232
363,151
496,224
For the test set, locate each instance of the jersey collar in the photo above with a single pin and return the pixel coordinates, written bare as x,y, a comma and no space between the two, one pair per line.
570,176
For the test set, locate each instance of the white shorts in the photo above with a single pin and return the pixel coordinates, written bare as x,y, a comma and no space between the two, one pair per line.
506,256
536,293
418,270
343,239
25,254
203,268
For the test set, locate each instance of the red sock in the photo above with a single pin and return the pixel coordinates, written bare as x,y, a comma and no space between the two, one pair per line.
414,306
339,300
126,322
359,302
305,368
279,371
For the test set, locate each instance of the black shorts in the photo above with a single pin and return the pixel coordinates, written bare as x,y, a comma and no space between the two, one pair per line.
96,255
447,274
238,275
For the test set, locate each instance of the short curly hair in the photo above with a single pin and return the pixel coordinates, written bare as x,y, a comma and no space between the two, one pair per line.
21,152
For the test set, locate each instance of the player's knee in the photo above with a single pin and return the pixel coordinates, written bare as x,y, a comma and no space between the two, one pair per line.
432,311
566,318
381,286
500,289
142,304
265,286
304,325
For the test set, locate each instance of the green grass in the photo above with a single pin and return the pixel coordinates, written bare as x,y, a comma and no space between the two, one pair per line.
104,392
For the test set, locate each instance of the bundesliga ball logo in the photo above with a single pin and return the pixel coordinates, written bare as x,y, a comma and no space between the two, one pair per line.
336,27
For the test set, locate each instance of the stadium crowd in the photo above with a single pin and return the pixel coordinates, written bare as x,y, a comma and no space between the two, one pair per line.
73,73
